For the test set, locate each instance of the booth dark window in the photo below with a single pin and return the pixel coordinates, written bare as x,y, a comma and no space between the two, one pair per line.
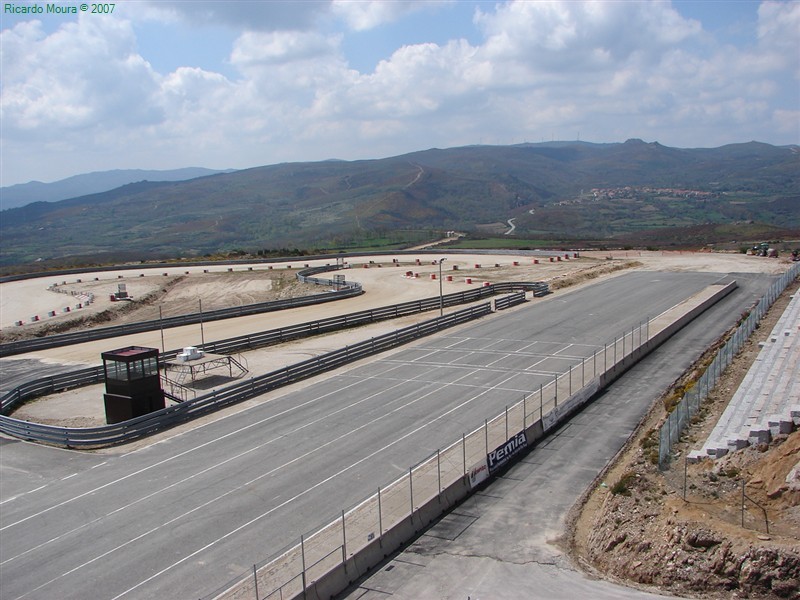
133,383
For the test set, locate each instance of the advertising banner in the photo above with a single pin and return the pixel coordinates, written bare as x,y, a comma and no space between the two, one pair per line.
502,454
478,474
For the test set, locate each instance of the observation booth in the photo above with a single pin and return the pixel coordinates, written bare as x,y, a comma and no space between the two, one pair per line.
133,383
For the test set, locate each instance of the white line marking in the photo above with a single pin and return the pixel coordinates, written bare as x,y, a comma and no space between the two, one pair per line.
263,475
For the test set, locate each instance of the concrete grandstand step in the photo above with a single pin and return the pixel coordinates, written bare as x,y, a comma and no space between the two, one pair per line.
696,456
780,424
759,434
763,405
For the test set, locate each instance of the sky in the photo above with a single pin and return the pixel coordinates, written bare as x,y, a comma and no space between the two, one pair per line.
236,84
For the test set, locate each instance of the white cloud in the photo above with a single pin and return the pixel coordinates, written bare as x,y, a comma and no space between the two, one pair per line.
610,70
85,75
252,49
368,14
778,27
575,35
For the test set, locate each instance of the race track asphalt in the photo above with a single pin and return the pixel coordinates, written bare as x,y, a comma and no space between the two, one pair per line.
181,517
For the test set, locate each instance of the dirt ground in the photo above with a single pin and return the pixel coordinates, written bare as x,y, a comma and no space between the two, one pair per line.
684,530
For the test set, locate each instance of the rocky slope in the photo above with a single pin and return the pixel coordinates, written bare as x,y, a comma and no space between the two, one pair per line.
717,529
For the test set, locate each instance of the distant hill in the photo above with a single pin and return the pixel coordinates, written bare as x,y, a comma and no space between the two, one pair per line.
572,190
90,183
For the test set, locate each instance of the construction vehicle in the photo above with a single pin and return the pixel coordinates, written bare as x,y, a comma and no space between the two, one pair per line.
761,249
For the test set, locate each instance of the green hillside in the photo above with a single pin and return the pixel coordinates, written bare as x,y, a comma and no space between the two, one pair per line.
557,190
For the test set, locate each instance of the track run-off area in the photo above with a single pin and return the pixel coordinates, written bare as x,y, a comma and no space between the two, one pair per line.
182,516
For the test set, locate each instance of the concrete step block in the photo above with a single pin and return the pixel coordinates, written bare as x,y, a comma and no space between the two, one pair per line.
737,443
716,452
695,456
779,424
759,435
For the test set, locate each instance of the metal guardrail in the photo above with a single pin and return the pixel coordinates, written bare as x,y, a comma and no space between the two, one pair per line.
347,290
134,428
337,552
381,523
267,261
61,382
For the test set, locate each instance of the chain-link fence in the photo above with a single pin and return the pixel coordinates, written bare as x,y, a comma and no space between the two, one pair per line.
724,494
689,404
430,487
383,522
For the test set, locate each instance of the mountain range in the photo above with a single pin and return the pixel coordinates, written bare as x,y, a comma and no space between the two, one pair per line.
13,196
555,190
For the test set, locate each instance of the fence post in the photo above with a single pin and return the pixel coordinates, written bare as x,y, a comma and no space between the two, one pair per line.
486,435
555,400
464,451
524,412
439,471
344,544
506,421
255,580
380,516
742,503
541,403
685,474
569,387
411,489
303,559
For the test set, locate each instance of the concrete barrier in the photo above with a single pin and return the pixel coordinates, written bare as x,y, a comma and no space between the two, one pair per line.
361,562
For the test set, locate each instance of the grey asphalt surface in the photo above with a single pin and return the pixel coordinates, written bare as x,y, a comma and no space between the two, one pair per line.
180,518
500,543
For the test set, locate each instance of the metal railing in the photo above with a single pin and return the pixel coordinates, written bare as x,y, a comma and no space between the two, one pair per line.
671,430
134,428
58,383
361,536
389,517
346,290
